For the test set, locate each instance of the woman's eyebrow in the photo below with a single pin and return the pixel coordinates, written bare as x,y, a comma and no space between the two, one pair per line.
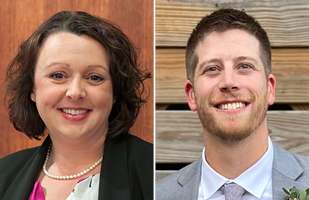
99,66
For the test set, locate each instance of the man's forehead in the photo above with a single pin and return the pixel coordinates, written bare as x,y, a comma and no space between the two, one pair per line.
230,34
231,43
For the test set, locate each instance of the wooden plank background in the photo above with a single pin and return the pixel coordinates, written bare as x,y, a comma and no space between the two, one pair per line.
284,21
179,132
19,18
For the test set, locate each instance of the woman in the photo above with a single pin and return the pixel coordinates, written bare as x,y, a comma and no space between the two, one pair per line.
77,76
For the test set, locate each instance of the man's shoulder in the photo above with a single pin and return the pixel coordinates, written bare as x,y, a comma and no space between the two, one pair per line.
285,161
289,170
284,155
170,187
189,170
302,160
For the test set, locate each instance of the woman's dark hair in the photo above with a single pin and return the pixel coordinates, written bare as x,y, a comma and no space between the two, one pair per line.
127,78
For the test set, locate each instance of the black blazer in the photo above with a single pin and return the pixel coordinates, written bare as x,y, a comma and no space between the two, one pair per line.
126,172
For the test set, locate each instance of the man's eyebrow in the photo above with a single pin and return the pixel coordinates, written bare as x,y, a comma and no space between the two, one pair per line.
213,60
241,58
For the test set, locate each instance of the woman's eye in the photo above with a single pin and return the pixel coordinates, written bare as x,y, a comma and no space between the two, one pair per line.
57,76
96,78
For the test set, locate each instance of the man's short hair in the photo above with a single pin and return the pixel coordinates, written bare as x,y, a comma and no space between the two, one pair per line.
223,20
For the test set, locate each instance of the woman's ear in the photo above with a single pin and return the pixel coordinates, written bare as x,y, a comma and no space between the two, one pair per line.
32,97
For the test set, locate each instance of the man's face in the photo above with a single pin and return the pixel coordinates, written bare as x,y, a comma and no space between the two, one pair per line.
230,90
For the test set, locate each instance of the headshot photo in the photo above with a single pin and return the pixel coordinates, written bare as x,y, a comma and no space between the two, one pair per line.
77,94
154,100
232,100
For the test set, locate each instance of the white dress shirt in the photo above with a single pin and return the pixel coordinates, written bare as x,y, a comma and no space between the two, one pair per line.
256,180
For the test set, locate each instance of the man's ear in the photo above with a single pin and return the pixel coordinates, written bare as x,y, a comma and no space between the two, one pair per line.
190,95
271,89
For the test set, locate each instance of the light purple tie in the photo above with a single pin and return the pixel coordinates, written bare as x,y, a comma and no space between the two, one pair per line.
232,191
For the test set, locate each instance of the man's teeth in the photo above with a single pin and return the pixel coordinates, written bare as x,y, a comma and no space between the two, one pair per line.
74,112
232,106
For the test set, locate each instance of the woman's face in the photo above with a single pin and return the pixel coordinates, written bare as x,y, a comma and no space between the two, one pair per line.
72,86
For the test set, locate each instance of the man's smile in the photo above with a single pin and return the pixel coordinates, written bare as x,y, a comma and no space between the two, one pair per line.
231,106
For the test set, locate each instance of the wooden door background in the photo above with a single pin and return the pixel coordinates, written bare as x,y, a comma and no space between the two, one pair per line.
19,18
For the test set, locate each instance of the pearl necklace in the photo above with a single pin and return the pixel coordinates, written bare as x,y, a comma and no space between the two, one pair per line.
71,176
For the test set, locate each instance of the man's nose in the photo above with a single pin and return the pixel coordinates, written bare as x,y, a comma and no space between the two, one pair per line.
229,81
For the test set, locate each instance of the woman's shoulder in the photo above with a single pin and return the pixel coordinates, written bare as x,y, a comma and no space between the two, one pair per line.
137,147
140,158
11,165
137,142
17,159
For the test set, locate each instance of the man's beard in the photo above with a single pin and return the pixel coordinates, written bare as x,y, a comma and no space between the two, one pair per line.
219,124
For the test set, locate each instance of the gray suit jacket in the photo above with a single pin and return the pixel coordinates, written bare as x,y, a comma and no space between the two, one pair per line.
288,170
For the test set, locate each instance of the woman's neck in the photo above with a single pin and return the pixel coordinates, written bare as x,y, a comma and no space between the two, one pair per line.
69,157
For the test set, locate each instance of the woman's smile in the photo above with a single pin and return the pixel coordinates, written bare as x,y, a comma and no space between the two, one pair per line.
75,114
75,111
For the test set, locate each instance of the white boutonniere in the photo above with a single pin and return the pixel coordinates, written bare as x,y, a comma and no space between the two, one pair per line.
295,194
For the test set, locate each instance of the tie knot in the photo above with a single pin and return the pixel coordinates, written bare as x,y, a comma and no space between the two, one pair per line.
232,191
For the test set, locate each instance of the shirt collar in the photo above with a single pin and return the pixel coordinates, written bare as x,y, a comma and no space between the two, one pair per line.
254,180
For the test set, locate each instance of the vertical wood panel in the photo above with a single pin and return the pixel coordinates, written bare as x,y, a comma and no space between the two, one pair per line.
19,19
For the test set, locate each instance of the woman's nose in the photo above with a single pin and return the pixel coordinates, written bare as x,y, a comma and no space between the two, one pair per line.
75,90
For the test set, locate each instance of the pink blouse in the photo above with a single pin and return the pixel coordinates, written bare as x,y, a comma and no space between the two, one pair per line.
86,188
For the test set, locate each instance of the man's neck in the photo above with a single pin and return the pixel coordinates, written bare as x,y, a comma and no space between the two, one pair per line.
232,159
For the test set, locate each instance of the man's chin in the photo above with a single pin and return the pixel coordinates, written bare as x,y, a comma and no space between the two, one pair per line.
230,132
232,138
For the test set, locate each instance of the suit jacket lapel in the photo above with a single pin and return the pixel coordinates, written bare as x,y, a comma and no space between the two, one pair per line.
286,170
114,177
23,184
190,180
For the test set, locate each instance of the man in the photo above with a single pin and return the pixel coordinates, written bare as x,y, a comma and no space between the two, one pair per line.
230,85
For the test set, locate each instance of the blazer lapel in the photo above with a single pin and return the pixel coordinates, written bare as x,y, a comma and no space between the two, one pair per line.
286,170
23,184
114,177
190,180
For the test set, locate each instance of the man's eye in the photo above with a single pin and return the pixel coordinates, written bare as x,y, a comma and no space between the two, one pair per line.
212,69
96,78
245,66
57,76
